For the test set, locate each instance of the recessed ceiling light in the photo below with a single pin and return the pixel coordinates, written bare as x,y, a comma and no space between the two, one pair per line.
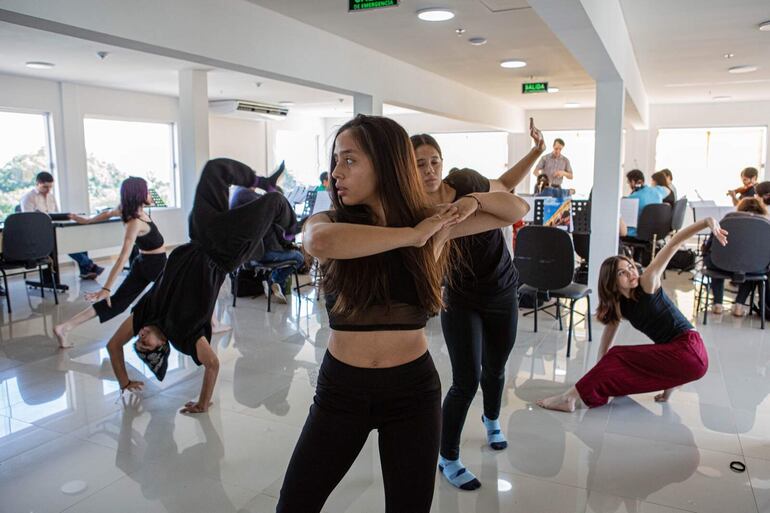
39,65
286,103
721,98
553,89
765,26
742,69
477,41
728,55
571,105
513,63
435,14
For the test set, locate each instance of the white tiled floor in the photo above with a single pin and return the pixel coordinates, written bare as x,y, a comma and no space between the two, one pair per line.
68,443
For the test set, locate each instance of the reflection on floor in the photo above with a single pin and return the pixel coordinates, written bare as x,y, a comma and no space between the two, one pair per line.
69,443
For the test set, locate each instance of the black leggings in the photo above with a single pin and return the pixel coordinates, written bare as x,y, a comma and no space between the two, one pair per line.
403,403
479,342
145,269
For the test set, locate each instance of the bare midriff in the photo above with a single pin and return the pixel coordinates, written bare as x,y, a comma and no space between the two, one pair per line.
377,349
155,251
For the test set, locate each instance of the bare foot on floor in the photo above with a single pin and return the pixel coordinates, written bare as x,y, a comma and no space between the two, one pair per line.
664,396
61,336
561,402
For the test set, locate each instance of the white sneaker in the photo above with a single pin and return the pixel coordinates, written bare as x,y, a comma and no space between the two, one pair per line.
278,293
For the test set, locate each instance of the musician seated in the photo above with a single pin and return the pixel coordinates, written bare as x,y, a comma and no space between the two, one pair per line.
749,177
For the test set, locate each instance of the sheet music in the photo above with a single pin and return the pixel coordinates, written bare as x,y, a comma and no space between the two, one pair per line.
323,202
529,217
716,212
629,211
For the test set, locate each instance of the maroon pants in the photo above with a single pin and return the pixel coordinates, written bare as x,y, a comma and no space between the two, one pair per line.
626,370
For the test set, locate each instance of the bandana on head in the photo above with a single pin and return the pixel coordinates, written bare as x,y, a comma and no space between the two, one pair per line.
156,360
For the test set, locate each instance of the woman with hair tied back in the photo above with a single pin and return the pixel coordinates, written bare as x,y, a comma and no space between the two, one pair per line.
145,269
480,313
677,356
383,247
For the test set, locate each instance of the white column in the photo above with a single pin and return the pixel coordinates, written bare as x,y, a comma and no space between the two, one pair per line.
367,104
193,131
72,173
608,181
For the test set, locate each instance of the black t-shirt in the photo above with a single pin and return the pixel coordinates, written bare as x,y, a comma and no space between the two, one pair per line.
487,274
750,193
654,315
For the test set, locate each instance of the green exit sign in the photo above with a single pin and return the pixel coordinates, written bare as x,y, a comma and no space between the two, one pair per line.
534,87
365,5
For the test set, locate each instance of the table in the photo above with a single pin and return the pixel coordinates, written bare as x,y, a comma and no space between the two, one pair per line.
103,233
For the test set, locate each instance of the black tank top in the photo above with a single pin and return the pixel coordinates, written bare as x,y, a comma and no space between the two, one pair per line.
402,313
150,240
654,315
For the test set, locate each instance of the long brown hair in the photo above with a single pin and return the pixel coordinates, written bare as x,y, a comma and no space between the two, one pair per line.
362,282
753,204
608,311
661,178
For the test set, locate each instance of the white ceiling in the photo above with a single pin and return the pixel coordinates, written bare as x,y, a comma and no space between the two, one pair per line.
76,61
512,29
679,46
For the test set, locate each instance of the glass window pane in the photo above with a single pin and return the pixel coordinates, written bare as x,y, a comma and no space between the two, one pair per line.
300,150
707,162
486,152
24,153
119,149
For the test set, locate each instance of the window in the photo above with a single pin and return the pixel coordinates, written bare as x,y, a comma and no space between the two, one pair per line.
486,152
707,162
119,149
300,149
25,150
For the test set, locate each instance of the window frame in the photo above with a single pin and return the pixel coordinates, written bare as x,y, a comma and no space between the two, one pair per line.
175,185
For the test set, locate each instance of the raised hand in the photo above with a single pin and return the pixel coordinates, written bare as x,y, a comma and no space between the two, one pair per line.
537,135
720,234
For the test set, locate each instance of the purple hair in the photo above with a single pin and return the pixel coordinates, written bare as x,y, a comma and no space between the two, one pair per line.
133,196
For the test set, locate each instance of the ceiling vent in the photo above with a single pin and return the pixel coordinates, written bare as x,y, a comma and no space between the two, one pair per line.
246,109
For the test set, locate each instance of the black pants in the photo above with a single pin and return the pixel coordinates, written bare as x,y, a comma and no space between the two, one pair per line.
403,403
479,342
144,270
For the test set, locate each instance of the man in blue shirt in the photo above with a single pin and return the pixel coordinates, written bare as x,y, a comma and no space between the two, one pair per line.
644,193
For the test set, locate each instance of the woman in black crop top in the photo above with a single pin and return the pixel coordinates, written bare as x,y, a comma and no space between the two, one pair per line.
677,356
480,311
382,248
145,269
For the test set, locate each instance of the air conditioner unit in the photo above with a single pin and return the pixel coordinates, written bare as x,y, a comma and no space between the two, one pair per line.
247,109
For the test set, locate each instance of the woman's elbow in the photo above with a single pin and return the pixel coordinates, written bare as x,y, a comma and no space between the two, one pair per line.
519,211
316,243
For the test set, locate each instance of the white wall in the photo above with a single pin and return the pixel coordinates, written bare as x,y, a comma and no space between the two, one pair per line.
239,139
68,104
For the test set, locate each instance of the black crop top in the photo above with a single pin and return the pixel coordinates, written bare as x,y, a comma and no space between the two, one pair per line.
654,315
150,240
403,313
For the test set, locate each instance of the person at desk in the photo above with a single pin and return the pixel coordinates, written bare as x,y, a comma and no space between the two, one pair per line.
763,192
41,199
178,309
554,165
747,208
661,179
749,177
324,179
276,245
645,194
146,268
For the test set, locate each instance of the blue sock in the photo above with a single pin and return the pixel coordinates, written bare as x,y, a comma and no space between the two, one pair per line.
495,435
457,474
